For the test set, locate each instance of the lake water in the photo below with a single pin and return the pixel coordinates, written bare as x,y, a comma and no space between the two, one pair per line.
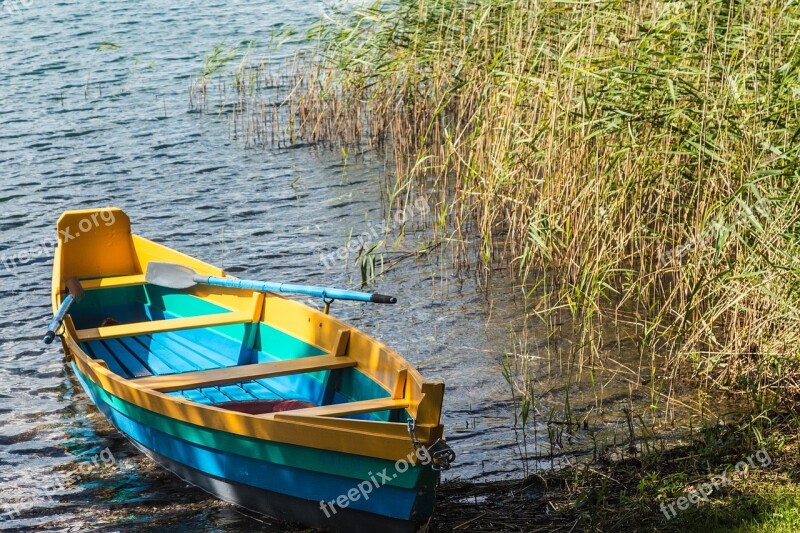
94,111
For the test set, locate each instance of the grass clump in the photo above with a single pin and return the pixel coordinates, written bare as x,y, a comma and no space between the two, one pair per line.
640,493
638,160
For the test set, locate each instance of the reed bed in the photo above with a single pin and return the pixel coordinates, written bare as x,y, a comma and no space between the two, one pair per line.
638,160
636,163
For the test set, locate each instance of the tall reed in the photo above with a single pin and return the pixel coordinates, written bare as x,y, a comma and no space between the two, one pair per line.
643,156
637,158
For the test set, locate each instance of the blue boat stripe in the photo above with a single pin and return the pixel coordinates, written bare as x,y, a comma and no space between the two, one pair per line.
314,486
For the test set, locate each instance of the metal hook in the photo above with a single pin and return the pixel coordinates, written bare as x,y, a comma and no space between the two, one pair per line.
327,301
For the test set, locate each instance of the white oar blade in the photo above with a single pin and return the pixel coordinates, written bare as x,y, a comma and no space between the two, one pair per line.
169,275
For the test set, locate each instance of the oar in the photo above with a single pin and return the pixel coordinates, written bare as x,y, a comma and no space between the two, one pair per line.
177,276
75,295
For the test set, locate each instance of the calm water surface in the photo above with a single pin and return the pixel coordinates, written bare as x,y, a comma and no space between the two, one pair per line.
94,111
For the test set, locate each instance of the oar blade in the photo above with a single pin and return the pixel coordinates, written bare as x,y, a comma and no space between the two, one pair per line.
169,275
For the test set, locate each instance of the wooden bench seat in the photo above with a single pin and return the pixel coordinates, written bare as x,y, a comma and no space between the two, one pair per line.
221,376
114,281
344,409
156,326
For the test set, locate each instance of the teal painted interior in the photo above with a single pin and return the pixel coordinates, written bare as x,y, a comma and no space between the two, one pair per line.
274,345
353,385
97,305
178,303
280,345
138,303
198,349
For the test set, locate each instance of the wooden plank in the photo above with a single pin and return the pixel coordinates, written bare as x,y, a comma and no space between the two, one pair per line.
130,366
219,376
156,363
258,307
97,351
429,410
155,326
260,392
357,428
400,385
182,358
344,409
130,360
202,356
342,339
115,281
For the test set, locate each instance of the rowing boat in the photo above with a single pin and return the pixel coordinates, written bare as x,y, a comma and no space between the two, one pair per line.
259,399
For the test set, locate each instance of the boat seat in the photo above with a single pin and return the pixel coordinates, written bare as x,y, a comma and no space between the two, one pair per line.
156,326
113,281
351,408
236,374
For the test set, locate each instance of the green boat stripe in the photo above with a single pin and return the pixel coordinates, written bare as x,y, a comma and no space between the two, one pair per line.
341,464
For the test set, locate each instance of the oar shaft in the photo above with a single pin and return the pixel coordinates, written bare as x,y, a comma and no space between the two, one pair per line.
176,276
57,319
311,290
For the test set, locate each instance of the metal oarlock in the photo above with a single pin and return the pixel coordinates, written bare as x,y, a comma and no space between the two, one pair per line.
327,301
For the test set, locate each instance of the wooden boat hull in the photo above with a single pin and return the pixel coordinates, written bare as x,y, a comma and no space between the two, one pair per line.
168,363
274,489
